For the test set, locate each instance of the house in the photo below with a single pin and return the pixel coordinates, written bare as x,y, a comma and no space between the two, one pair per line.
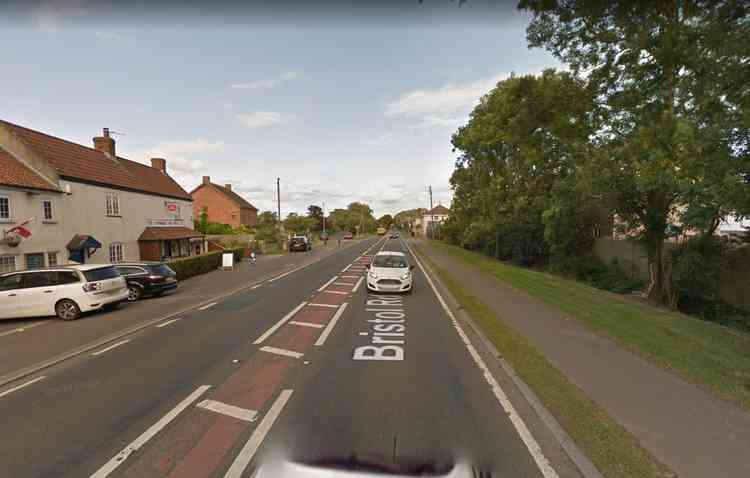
87,205
433,218
222,205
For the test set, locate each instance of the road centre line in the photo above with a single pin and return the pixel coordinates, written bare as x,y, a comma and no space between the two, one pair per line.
278,324
207,306
253,443
118,459
107,349
287,273
284,352
306,324
229,410
331,324
164,324
356,286
19,387
320,289
334,292
314,304
528,439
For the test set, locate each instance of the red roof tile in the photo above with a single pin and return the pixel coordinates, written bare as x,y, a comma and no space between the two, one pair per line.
439,210
14,173
167,233
74,161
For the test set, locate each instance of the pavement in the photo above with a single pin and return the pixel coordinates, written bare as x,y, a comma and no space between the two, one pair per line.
692,432
305,366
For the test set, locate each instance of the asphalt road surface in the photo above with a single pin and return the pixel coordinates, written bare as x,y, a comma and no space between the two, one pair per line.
308,367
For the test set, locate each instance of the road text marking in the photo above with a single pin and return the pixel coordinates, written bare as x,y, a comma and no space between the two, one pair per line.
207,306
320,289
323,336
121,342
306,324
279,324
164,324
19,387
284,352
229,410
118,459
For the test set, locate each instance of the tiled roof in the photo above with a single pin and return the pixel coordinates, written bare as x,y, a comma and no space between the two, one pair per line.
14,173
239,200
438,210
75,161
167,233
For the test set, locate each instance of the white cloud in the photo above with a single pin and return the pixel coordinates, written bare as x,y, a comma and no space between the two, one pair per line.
51,16
267,83
109,36
179,154
260,119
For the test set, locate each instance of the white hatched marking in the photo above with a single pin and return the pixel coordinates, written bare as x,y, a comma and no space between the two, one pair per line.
323,305
284,352
359,282
229,410
343,283
306,324
279,324
334,292
323,336
320,289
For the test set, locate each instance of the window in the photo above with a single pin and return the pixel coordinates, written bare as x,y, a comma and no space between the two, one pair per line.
130,271
47,210
113,204
35,261
10,282
51,259
115,253
37,279
5,215
101,273
7,264
64,277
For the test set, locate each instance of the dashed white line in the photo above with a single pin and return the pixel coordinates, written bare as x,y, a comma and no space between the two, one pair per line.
19,387
164,324
324,335
229,410
253,443
306,324
287,273
207,306
334,292
356,286
320,289
278,351
118,459
107,349
21,329
279,324
315,304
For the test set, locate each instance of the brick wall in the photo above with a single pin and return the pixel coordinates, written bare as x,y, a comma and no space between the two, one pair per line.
249,217
220,208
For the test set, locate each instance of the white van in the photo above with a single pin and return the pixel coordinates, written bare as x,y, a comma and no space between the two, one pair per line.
62,291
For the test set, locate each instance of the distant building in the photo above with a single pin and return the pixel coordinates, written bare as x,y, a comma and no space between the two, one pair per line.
433,218
222,205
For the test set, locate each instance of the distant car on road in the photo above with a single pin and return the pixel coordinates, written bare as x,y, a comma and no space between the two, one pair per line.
147,278
389,272
62,291
348,236
394,235
381,231
300,243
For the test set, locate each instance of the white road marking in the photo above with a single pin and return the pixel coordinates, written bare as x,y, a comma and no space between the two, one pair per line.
255,286
356,286
363,333
279,324
284,352
349,277
117,344
346,268
287,273
306,324
229,410
19,387
253,443
331,324
343,283
323,305
320,289
523,431
207,306
164,324
334,292
21,329
118,459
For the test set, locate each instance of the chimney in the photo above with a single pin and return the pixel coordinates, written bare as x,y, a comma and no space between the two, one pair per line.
104,143
228,186
206,179
160,164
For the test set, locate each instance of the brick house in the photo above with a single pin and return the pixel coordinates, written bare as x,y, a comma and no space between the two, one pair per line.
222,205
89,205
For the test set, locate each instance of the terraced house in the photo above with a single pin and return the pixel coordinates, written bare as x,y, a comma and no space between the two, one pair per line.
87,205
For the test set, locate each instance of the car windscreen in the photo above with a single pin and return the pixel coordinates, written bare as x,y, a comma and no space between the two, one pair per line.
161,270
389,261
297,240
101,273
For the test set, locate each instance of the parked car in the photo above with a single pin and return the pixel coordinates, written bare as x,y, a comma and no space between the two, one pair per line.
389,272
62,291
300,243
147,278
348,236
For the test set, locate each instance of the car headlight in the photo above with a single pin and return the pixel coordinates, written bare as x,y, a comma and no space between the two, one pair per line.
406,276
372,275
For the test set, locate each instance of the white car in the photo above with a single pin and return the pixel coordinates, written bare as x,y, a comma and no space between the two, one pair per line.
62,291
389,272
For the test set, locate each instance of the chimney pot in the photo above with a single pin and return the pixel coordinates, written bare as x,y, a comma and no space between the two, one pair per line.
105,143
228,186
160,164
206,179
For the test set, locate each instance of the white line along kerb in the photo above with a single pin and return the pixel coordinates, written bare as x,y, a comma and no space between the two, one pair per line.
119,459
523,431
278,324
19,387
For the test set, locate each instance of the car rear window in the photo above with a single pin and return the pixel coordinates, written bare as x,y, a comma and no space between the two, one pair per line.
161,269
101,273
297,240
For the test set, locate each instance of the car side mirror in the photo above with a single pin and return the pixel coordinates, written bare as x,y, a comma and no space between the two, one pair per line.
411,266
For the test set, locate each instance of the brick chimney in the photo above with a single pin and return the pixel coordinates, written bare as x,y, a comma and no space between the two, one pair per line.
206,179
160,164
228,186
105,143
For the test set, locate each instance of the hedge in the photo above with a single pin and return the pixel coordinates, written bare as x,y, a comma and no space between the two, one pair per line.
196,265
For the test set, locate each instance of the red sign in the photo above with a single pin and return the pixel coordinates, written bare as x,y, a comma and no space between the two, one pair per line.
171,207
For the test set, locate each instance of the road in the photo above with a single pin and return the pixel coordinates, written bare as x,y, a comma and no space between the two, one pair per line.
307,366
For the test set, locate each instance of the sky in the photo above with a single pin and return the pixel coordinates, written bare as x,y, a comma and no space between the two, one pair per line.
341,103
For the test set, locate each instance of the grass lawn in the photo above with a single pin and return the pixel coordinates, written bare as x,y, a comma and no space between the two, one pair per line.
609,446
707,354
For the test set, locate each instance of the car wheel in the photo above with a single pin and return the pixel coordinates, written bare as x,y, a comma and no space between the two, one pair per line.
134,293
67,310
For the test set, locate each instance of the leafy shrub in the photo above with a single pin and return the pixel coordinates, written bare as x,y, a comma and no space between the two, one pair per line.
216,228
196,265
590,270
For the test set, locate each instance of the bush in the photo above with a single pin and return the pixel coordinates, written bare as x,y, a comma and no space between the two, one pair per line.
216,228
196,265
590,270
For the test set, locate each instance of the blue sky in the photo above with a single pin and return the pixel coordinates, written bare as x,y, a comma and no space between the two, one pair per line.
345,107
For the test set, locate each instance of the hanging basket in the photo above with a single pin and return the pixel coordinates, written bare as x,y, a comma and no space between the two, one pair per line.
11,240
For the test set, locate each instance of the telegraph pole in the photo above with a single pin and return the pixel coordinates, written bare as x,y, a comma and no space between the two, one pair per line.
432,223
324,217
278,200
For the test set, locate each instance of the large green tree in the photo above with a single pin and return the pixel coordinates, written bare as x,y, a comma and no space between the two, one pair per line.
671,82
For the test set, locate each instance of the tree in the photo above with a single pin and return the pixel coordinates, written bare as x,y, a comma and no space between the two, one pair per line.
316,212
296,224
670,79
266,218
385,221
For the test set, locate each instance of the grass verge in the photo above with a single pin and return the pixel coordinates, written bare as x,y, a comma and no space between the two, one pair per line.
614,452
705,353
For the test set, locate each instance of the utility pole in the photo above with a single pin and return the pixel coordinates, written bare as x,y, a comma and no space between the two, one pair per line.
278,200
432,223
324,217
